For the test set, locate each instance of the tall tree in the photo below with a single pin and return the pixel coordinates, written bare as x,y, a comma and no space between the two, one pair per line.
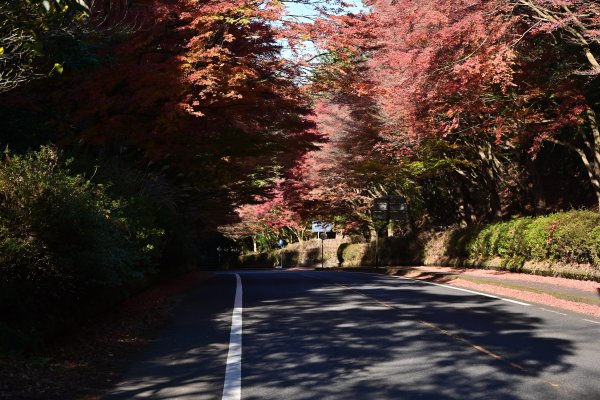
565,38
198,90
460,71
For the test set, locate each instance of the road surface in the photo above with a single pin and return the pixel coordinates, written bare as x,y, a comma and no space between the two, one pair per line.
331,335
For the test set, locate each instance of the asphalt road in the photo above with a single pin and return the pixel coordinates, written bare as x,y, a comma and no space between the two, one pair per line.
326,335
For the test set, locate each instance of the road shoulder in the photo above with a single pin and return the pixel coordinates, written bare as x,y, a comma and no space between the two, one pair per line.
87,362
567,294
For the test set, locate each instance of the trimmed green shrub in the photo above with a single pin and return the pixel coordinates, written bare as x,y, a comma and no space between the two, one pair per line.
511,238
340,253
482,244
595,236
537,236
571,237
259,260
459,242
356,254
400,251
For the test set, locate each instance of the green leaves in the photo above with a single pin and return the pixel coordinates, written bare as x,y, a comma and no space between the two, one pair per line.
53,223
570,237
62,6
58,68
38,37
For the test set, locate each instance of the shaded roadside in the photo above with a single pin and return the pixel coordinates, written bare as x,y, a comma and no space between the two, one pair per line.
84,363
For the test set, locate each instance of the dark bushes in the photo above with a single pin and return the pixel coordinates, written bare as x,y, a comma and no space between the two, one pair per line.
56,225
63,239
258,260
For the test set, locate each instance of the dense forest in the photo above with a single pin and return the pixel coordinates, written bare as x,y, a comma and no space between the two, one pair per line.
140,136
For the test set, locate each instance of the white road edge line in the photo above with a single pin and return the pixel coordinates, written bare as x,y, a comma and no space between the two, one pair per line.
232,388
465,290
552,311
593,322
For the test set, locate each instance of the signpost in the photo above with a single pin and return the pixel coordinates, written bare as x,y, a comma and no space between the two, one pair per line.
384,209
321,228
318,227
323,236
280,244
389,207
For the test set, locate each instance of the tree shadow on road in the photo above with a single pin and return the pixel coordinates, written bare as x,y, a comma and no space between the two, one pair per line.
323,341
306,337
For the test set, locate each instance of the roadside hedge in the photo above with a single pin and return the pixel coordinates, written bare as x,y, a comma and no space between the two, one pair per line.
258,260
569,237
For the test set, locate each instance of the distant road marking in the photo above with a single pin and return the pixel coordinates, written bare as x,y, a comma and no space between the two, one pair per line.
464,290
232,389
593,322
552,311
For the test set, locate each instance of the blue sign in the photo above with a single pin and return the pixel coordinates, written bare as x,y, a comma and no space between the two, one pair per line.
320,227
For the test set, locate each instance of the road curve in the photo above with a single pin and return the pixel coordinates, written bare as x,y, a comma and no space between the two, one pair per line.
331,335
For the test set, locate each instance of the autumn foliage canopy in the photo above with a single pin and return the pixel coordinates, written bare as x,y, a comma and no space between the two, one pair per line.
264,115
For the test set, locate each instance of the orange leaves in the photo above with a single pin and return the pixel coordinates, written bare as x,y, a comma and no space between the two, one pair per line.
233,56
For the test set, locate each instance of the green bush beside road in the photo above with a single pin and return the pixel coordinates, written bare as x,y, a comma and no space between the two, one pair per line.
567,243
65,243
571,237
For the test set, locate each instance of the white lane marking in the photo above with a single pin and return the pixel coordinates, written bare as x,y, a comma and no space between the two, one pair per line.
593,322
232,389
552,311
465,290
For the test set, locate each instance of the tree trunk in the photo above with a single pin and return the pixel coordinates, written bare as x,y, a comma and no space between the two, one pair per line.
590,155
465,211
254,246
372,233
535,187
491,179
594,147
299,234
